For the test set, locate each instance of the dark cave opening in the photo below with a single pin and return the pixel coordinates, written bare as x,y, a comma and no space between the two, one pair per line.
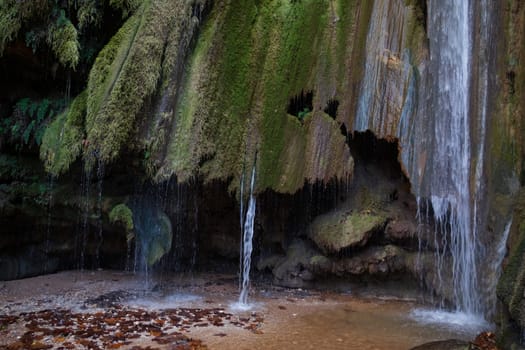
301,104
367,149
331,108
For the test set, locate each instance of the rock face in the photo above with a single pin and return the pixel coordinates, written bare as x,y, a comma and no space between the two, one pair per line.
370,235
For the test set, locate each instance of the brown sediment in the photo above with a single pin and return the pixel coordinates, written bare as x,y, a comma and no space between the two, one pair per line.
107,309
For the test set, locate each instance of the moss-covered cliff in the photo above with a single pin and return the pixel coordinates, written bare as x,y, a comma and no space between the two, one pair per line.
198,89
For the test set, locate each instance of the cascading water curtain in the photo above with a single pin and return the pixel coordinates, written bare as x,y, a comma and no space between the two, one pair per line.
450,36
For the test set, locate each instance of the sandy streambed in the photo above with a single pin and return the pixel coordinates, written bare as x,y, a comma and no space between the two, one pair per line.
109,309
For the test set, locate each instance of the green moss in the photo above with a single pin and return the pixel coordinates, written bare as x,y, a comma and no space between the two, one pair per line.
294,39
126,6
122,214
292,159
62,140
237,76
159,243
185,149
336,231
62,37
123,77
248,62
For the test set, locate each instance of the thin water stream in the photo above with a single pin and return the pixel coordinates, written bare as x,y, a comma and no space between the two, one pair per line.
248,244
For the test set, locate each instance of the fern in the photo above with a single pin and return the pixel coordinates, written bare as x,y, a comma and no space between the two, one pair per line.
29,120
23,105
42,110
28,131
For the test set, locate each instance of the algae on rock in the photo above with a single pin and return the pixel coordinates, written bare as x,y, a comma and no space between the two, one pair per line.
122,214
334,232
62,141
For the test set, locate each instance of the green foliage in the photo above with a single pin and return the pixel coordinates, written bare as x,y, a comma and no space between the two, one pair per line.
11,169
88,14
28,121
62,140
50,23
14,13
123,215
44,24
303,113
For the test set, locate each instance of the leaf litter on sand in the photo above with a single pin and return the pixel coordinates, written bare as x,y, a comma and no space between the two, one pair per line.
119,326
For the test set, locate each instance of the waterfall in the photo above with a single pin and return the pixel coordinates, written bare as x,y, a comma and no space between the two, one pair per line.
439,114
449,185
247,243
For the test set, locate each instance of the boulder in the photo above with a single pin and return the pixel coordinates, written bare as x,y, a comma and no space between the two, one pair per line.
336,231
373,261
224,245
294,270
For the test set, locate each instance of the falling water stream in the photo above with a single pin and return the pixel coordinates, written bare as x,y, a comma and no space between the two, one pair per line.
441,132
248,244
450,50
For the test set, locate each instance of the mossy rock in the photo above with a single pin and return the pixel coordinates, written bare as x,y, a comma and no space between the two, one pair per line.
294,269
511,285
154,233
62,140
334,232
123,215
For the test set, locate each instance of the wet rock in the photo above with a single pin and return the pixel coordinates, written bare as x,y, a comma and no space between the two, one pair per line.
451,344
111,299
269,262
154,232
224,245
372,261
294,270
400,230
336,231
30,262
